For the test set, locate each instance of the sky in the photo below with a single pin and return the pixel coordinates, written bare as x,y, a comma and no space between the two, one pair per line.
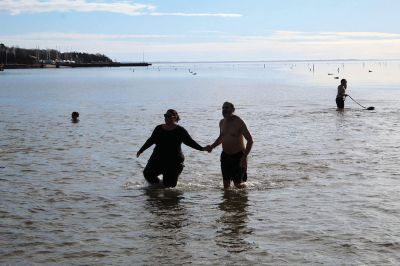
206,30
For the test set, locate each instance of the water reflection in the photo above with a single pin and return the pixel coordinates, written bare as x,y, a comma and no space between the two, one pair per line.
233,231
340,121
165,205
165,238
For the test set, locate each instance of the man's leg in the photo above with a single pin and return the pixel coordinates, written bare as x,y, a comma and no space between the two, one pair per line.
225,167
339,103
240,177
227,183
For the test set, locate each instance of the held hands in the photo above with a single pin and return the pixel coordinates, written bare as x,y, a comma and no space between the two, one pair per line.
208,148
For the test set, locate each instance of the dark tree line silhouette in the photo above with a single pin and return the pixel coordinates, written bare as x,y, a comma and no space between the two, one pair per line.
16,55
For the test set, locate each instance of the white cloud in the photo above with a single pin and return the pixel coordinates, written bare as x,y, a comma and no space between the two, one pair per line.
16,7
61,36
376,35
331,36
225,15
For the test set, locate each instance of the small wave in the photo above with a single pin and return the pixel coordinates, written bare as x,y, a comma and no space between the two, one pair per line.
134,184
393,245
193,186
140,163
259,184
266,184
15,129
85,254
109,205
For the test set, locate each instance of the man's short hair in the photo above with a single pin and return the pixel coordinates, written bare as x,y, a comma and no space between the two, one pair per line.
230,104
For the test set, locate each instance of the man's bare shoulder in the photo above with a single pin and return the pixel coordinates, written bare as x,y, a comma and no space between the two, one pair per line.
237,119
240,124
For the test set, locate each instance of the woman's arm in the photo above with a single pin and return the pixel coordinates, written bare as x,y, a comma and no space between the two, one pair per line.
187,140
149,142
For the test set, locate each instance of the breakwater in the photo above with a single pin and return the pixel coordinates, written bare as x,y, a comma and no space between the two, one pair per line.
57,65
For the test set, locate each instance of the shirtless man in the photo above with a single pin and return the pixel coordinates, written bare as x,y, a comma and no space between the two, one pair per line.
341,94
234,151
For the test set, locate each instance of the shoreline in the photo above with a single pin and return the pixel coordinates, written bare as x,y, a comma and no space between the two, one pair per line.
74,65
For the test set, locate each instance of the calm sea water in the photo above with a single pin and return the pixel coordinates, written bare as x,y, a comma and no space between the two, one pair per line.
323,185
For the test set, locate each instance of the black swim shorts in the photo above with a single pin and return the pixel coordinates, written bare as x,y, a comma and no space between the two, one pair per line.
230,167
340,103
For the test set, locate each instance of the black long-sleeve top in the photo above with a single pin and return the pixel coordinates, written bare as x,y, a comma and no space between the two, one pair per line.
168,144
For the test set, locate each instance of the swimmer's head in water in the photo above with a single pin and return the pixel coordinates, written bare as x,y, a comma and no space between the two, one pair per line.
75,115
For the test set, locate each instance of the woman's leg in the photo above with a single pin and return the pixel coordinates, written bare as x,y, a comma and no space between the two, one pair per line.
171,174
151,172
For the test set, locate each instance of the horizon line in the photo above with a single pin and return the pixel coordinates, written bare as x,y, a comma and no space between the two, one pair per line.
269,61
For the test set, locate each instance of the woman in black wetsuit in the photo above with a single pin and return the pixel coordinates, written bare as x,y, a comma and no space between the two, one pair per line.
167,157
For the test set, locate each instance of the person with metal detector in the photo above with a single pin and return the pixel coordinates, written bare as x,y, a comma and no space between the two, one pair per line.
341,94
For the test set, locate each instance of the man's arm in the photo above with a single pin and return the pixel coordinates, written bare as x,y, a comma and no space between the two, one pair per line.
342,91
249,144
218,141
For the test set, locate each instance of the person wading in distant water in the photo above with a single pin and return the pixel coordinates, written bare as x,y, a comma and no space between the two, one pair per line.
167,157
341,94
234,152
75,117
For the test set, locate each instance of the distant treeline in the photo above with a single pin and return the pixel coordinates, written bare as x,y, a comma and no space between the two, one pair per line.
16,55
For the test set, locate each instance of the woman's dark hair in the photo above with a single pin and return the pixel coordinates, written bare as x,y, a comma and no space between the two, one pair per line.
174,113
75,115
